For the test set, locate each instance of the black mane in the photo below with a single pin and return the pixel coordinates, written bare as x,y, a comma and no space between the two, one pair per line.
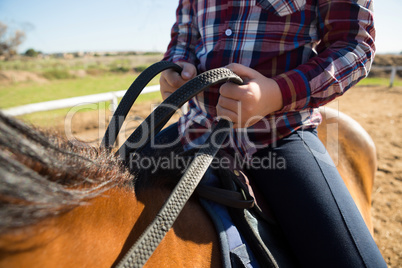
43,175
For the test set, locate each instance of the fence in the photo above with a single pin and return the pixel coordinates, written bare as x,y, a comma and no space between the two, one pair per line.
70,102
393,70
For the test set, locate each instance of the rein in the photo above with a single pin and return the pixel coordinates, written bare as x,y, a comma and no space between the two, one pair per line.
141,251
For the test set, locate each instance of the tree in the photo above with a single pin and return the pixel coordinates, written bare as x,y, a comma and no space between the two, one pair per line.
31,53
9,42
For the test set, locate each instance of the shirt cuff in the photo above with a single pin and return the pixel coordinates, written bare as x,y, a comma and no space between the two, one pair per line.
295,90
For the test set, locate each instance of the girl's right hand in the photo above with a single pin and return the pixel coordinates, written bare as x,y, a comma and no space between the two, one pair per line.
170,80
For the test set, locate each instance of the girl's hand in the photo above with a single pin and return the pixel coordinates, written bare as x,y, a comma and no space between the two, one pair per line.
246,104
170,80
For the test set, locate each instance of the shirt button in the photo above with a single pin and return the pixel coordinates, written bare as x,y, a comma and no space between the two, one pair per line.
228,32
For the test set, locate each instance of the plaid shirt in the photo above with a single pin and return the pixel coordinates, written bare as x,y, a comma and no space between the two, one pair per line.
314,49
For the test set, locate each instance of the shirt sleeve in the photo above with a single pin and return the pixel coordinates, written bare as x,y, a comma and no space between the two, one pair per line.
184,34
345,55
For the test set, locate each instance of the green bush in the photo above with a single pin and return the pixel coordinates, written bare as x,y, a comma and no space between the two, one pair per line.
31,53
57,74
119,69
140,68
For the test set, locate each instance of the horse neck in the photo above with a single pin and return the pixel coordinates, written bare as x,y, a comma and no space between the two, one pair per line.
89,235
100,233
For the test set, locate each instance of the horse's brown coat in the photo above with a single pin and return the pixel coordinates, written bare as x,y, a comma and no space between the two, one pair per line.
98,234
95,235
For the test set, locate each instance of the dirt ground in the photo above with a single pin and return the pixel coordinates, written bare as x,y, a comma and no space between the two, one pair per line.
379,111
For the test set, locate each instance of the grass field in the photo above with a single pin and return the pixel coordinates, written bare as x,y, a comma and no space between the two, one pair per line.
102,74
16,94
105,63
379,81
52,118
31,92
57,79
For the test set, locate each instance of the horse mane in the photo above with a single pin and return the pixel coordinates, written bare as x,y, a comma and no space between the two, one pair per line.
42,175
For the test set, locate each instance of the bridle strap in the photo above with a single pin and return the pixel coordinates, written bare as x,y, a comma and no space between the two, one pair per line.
161,115
142,250
129,98
138,255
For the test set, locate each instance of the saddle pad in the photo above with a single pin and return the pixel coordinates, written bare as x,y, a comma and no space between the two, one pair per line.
234,248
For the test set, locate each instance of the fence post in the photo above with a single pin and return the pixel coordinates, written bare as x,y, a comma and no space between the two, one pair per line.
114,103
393,74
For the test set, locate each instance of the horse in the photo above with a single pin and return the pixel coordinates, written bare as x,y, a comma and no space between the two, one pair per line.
70,205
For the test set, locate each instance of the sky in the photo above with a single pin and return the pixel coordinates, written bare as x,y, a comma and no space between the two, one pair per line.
133,25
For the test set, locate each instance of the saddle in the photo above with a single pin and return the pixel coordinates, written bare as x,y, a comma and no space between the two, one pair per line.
248,233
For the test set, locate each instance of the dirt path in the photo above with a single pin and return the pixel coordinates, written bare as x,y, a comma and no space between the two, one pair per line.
379,111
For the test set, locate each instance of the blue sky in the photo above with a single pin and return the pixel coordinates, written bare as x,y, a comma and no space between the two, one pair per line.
142,25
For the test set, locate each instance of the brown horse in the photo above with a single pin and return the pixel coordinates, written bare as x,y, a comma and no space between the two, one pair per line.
64,205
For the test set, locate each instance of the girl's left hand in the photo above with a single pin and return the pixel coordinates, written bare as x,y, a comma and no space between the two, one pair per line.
246,104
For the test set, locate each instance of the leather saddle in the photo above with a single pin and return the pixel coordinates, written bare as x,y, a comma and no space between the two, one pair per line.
248,232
